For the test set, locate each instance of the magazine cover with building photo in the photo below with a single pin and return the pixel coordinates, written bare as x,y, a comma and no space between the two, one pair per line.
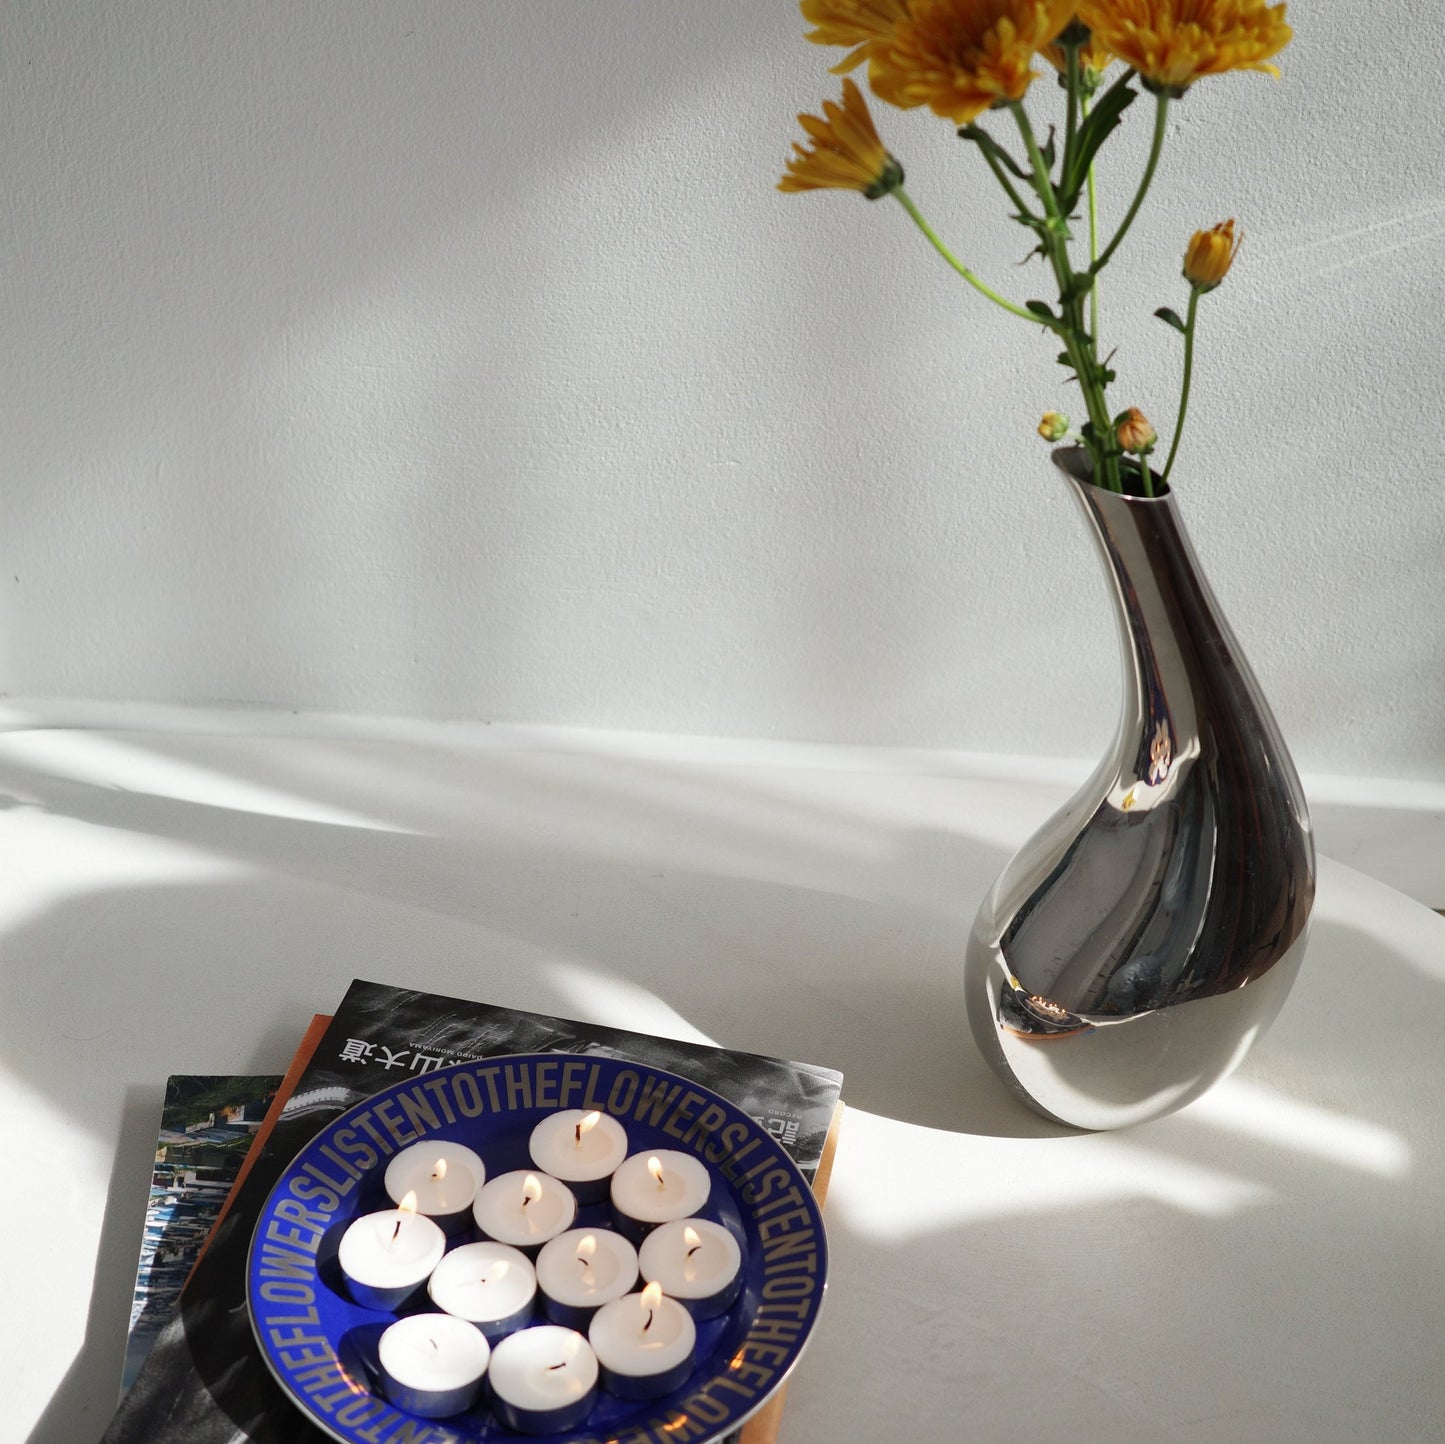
207,1125
205,1381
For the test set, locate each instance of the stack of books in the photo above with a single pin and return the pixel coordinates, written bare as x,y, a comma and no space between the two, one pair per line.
194,1372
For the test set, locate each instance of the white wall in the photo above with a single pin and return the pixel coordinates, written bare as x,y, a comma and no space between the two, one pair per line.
460,359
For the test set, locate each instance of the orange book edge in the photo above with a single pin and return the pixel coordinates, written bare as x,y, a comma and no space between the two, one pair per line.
299,1062
762,1428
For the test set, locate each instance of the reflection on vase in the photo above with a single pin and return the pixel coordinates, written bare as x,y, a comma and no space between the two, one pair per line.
1140,942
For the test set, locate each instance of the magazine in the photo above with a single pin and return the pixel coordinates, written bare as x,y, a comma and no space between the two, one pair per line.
208,1123
205,1381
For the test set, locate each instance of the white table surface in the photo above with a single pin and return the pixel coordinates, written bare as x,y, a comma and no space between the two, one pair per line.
1266,1265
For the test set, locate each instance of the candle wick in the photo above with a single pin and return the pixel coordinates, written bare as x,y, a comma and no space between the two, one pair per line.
648,1324
578,1144
395,1232
693,1249
551,1367
526,1199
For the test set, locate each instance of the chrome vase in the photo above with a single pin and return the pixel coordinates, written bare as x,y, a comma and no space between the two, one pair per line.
1147,935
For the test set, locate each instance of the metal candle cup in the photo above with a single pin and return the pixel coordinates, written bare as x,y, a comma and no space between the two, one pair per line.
387,1256
697,1262
524,1209
583,1149
657,1187
444,1177
432,1364
582,1269
644,1344
491,1285
543,1380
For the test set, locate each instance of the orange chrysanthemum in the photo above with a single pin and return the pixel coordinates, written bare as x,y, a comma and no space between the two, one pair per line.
1172,43
959,57
846,153
1210,254
856,23
1094,58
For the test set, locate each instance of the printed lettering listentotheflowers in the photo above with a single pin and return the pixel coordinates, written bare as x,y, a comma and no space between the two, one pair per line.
1173,43
846,153
961,57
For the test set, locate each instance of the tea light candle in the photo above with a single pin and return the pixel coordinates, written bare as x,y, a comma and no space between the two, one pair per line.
582,1149
582,1269
386,1256
543,1380
432,1364
653,1188
489,1284
524,1209
697,1262
644,1344
444,1177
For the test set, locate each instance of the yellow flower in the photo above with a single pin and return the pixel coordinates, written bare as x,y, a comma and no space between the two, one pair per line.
846,154
959,57
1134,432
1210,255
1171,43
858,23
1054,426
1094,60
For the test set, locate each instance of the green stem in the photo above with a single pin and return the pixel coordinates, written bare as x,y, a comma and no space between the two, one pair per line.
1009,188
1054,236
906,202
1093,247
1076,97
1161,113
1194,294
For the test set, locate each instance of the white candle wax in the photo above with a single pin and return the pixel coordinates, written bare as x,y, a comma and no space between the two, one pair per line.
524,1208
444,1176
543,1379
392,1250
695,1261
485,1283
580,1148
660,1186
646,1341
432,1364
586,1267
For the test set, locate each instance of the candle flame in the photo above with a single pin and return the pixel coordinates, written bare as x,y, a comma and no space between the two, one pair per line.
586,1124
651,1298
691,1239
654,1167
439,1169
408,1203
531,1189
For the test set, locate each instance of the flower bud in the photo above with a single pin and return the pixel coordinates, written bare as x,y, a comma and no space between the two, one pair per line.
1210,255
1054,426
1134,432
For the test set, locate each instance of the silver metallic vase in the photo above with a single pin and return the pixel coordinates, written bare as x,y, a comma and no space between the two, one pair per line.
1142,940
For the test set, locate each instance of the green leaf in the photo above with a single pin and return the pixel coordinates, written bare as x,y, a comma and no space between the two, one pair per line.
1102,121
1047,151
1042,310
1171,318
1064,359
986,143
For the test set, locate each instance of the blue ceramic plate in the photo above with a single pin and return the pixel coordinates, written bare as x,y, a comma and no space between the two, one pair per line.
321,1346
